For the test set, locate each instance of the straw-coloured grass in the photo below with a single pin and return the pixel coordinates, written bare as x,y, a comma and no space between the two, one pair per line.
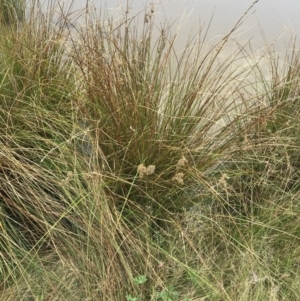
129,172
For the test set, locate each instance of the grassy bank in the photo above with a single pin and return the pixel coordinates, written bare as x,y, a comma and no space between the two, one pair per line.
130,172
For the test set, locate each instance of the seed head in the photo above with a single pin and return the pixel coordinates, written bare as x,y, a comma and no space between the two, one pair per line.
182,162
142,170
178,177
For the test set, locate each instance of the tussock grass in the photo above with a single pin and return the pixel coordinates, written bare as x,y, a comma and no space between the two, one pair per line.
12,12
129,172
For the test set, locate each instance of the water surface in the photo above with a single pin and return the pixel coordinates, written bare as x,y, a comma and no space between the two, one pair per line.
273,17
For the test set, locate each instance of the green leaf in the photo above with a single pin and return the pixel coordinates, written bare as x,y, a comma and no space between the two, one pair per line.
169,294
140,279
130,298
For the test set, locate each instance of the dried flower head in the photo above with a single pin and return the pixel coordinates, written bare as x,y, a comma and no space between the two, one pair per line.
67,179
223,179
161,264
142,170
178,178
182,162
150,170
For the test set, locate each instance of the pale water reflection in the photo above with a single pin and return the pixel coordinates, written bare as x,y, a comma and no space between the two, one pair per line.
274,17
268,23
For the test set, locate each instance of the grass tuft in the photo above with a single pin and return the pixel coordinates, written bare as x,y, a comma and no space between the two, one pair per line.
131,172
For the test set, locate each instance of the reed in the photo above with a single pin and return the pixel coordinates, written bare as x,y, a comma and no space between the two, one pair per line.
130,172
12,12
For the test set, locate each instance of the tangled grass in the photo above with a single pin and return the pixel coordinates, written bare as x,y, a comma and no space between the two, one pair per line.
128,172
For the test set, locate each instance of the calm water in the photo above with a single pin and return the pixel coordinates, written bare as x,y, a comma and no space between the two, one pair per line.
273,16
268,22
